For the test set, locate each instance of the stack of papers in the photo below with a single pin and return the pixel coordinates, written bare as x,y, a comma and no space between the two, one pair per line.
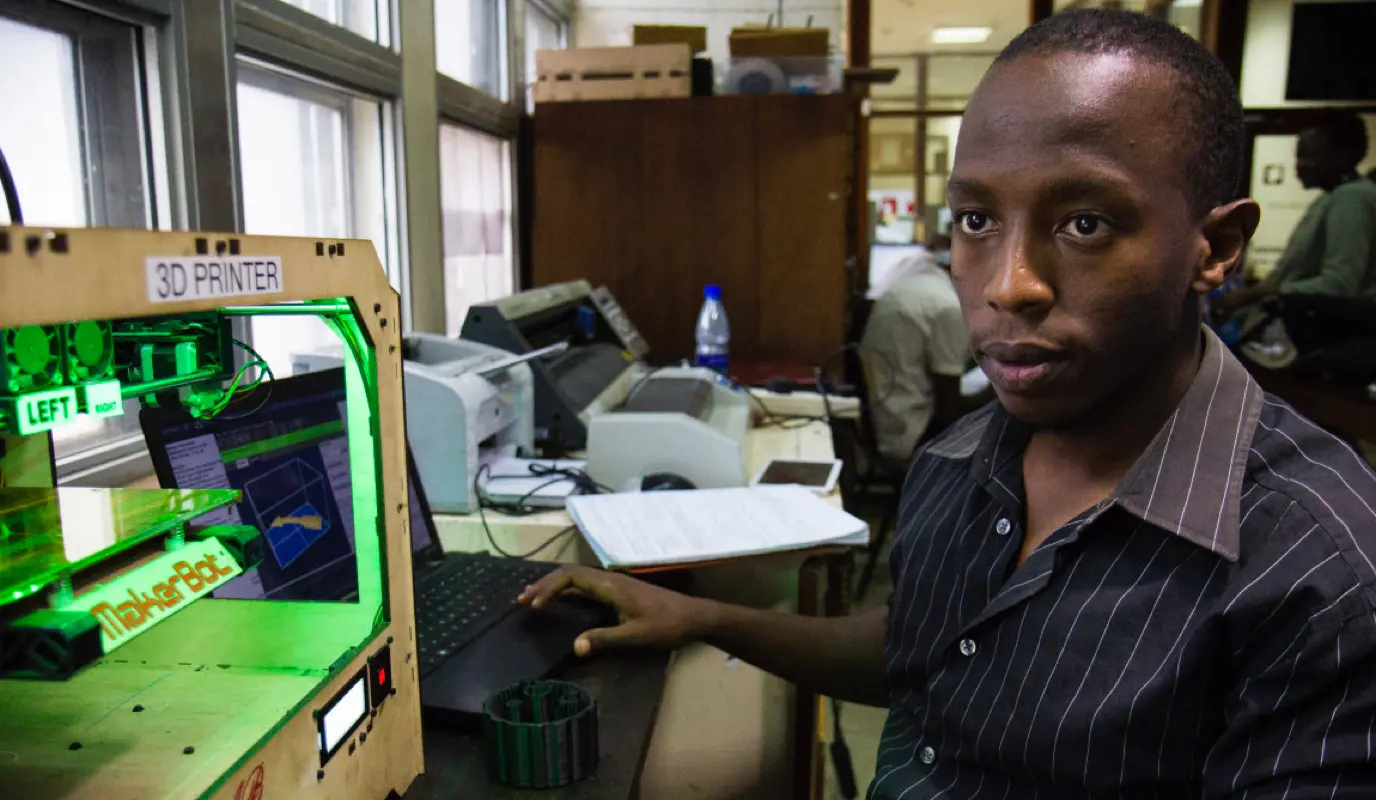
656,529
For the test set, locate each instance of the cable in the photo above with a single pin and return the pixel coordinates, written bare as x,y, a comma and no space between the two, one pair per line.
263,369
11,192
519,508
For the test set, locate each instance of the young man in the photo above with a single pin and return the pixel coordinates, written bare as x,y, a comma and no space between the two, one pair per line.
1332,250
1135,575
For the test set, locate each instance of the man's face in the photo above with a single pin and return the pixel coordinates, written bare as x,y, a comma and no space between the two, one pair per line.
1317,163
1074,243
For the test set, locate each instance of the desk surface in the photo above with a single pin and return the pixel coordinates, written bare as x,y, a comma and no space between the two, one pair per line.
627,688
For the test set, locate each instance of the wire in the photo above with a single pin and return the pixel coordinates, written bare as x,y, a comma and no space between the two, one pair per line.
263,369
11,192
583,485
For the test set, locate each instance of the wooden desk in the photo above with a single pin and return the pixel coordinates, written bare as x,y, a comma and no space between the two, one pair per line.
726,729
627,687
1345,411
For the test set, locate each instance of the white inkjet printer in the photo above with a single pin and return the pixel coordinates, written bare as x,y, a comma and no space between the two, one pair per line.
465,403
677,420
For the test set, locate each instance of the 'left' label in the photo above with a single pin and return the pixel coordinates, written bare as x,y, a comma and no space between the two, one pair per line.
181,278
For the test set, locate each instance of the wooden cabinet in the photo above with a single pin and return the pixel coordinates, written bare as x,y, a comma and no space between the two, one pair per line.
658,198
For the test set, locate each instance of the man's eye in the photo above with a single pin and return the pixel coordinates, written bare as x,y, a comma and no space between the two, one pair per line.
972,222
1086,226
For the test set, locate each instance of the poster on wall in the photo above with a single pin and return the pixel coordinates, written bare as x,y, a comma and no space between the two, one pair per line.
895,213
1282,199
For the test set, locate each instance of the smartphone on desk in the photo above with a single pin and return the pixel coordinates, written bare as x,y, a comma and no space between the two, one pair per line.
819,475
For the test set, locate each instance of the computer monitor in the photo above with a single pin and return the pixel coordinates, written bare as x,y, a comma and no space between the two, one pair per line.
284,445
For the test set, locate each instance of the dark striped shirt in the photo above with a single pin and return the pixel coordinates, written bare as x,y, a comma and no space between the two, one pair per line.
1207,631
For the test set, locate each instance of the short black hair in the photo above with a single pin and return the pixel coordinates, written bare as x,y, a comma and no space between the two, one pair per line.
1345,132
1210,111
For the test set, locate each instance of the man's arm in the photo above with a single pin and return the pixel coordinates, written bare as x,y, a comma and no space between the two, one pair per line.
1300,718
841,657
1349,235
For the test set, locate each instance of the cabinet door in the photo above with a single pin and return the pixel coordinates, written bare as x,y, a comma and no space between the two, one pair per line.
587,182
803,164
699,205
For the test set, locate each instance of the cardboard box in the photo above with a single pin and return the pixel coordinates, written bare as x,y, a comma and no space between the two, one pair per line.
776,42
695,36
613,73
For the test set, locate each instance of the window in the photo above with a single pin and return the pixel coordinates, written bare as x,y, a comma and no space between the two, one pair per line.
42,146
371,19
475,199
80,153
469,43
544,31
314,162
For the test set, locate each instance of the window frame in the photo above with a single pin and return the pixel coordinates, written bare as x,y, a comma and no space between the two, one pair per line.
121,155
186,67
115,138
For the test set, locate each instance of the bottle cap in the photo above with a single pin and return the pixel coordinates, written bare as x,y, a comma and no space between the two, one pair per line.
712,292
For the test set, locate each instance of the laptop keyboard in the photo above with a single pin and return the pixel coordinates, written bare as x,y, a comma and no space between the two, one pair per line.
462,598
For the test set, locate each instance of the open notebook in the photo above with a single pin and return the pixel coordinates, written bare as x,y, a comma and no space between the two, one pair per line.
655,529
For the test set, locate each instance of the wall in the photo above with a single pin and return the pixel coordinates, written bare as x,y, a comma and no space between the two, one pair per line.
1266,55
599,23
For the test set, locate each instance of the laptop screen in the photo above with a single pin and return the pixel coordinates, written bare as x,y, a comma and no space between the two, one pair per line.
290,458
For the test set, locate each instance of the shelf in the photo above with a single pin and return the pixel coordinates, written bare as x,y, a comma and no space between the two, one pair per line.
48,534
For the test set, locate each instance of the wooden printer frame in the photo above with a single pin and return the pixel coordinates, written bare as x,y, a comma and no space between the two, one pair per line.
220,699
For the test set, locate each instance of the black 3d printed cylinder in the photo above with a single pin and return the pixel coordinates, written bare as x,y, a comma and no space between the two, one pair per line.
540,734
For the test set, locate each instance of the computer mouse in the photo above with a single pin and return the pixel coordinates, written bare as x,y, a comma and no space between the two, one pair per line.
665,482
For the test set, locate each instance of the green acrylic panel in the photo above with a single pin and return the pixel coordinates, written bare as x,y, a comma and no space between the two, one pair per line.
360,385
47,534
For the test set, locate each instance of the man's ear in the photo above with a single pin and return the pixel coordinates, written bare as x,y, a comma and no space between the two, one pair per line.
1226,230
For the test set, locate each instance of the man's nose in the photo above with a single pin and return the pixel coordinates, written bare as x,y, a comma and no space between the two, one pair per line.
1018,285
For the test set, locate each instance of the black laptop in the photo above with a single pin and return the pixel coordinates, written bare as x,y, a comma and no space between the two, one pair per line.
284,446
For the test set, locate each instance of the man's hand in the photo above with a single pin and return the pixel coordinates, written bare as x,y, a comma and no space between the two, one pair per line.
650,616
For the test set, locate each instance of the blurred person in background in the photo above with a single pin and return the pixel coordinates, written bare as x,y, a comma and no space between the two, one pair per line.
1332,250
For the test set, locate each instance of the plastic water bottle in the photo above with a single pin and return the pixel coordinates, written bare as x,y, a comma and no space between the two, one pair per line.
714,332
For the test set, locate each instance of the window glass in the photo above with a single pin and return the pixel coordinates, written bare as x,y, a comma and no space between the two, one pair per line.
475,199
43,148
469,37
544,31
370,19
43,144
312,161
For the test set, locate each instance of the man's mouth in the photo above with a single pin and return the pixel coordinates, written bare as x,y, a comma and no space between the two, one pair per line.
1020,367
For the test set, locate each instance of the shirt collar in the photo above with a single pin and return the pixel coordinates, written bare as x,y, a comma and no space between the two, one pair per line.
1188,481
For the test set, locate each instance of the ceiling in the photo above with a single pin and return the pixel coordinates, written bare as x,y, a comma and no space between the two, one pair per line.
905,26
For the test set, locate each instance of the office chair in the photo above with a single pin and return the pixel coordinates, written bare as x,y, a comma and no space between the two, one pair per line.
866,474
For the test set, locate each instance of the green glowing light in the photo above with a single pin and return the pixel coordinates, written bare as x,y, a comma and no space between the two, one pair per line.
42,411
324,430
102,399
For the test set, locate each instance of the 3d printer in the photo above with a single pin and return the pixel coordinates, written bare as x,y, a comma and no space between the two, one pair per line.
119,677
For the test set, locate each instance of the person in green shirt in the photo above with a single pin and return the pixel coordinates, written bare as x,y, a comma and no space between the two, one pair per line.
1332,250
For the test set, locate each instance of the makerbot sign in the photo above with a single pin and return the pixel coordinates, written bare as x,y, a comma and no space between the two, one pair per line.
175,278
136,601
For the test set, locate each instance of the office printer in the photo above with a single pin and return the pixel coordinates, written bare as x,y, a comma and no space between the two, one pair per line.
678,420
465,403
604,356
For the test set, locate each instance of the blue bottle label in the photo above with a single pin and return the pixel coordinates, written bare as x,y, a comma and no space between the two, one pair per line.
713,361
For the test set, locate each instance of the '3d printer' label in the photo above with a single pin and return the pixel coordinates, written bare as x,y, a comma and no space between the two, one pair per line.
177,278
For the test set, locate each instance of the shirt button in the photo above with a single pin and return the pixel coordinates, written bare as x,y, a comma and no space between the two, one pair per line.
967,647
928,755
1003,527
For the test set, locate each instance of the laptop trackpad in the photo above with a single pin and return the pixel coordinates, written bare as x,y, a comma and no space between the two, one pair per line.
525,645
